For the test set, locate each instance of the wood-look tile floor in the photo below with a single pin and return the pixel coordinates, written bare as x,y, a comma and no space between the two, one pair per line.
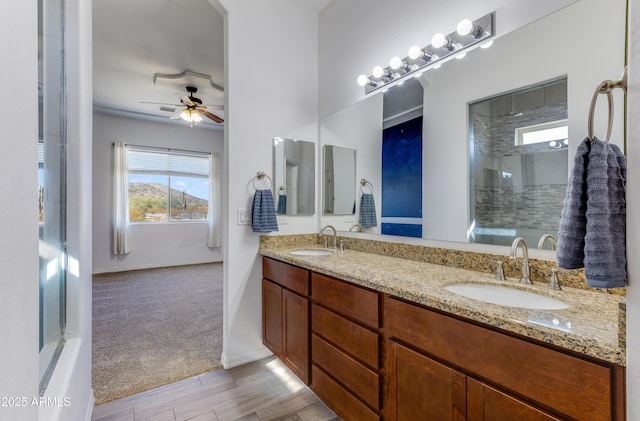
258,391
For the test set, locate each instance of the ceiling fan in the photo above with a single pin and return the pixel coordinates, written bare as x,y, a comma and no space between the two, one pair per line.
191,108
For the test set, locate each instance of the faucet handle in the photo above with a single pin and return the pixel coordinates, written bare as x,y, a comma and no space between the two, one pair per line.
499,276
554,281
342,243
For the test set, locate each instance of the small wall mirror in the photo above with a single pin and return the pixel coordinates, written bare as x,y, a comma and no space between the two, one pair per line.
294,178
339,186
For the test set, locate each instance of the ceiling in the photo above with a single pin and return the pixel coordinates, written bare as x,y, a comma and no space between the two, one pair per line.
135,40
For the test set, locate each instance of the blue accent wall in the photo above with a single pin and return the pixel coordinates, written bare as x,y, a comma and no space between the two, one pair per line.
402,177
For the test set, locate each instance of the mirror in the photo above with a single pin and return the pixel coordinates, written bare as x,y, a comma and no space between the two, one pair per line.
339,180
518,164
520,58
294,163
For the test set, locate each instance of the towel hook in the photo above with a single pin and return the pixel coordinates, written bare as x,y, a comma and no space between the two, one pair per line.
260,176
364,183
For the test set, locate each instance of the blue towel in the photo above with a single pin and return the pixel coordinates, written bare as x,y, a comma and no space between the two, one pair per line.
282,204
263,212
573,220
605,261
592,230
367,211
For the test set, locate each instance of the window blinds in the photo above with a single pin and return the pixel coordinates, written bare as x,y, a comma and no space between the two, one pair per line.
165,162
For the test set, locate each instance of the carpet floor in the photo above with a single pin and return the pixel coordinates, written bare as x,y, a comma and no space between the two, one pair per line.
155,326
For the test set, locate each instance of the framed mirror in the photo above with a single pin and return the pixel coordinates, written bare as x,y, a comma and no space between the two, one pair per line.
294,181
339,180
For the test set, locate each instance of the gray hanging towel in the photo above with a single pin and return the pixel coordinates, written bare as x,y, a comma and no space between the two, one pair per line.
263,212
573,220
605,241
367,211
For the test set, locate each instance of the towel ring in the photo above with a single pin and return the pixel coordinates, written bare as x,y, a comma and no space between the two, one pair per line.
260,176
364,183
603,88
282,191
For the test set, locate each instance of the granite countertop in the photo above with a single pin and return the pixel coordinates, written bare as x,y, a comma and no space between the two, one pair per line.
590,325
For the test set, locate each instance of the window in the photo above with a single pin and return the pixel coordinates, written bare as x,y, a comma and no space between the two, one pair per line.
167,185
555,133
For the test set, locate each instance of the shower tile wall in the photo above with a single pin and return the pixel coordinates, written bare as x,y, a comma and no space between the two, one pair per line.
518,189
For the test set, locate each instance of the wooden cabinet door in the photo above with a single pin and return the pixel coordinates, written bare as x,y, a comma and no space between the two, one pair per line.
420,388
488,404
295,310
272,317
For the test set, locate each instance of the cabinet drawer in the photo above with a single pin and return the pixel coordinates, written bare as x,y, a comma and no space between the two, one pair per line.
291,277
354,376
349,300
575,387
351,337
339,399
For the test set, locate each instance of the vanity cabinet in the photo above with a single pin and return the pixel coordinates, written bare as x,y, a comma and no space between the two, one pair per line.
285,314
345,347
456,370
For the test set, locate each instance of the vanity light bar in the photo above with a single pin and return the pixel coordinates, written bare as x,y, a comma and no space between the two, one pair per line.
442,47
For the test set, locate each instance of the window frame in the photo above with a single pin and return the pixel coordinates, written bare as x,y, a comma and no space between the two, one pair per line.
519,132
169,174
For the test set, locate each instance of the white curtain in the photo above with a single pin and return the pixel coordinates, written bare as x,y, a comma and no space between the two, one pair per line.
120,209
213,217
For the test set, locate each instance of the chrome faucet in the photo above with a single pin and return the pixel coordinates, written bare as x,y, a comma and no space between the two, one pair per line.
551,240
335,238
526,273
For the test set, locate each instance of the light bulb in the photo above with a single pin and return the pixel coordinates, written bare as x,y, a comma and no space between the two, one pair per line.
196,117
395,63
465,27
363,80
566,141
377,72
439,40
186,115
415,52
553,144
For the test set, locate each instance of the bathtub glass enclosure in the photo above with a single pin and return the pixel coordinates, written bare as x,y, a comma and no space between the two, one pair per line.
519,164
51,183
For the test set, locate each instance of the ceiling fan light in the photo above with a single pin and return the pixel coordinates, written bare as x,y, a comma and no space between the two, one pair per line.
186,115
196,117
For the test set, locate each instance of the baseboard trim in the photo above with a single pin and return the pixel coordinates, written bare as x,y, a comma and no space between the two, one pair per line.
155,265
244,358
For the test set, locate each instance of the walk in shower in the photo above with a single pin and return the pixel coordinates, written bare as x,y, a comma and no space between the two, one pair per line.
518,164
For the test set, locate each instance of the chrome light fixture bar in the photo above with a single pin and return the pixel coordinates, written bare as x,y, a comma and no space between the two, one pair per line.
468,34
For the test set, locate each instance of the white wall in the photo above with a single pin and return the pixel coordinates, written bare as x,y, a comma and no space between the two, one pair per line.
633,215
18,181
271,90
152,245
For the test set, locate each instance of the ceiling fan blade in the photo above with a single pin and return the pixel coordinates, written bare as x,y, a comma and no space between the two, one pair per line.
211,116
177,114
185,100
212,107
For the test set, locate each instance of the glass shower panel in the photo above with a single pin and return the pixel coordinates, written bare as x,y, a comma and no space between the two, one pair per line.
51,184
517,187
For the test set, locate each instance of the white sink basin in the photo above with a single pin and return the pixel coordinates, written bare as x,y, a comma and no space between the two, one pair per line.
312,252
506,296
